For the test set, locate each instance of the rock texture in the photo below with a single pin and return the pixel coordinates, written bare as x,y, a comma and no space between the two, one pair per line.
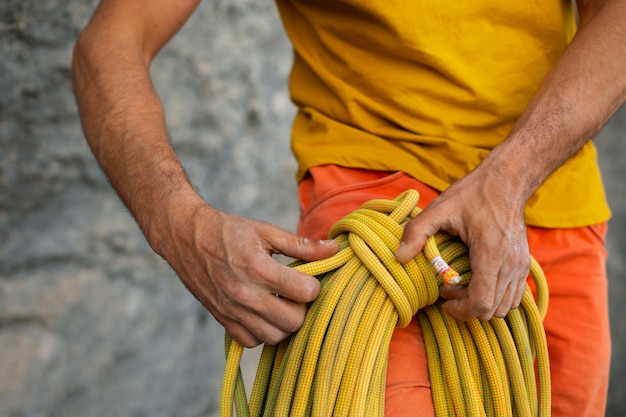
92,322
612,156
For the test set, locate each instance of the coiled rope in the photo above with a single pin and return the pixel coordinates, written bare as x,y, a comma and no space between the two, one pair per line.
336,363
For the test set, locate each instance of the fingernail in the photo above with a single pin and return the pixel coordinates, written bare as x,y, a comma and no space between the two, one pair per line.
401,250
325,242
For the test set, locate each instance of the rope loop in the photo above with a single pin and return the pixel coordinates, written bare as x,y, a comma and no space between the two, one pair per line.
336,363
374,232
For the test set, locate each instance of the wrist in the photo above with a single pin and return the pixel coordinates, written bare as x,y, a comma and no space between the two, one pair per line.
169,217
511,173
519,167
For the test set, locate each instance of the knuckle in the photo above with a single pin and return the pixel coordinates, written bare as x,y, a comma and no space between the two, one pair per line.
481,307
310,289
485,317
483,310
304,287
295,322
293,325
239,294
275,337
288,318
241,336
264,225
501,313
252,268
304,242
249,342
516,303
523,268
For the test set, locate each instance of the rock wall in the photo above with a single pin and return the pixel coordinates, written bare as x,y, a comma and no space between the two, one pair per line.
612,154
92,323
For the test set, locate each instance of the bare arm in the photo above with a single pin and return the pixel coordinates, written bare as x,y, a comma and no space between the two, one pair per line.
486,208
224,260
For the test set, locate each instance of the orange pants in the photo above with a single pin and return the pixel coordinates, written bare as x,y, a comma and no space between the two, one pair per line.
577,325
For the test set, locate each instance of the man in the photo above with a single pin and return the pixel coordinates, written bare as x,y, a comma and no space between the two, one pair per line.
486,101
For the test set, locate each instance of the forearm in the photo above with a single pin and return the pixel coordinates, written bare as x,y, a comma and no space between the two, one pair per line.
224,260
123,121
578,96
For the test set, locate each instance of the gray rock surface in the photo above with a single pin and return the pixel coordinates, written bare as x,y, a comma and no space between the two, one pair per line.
612,156
92,322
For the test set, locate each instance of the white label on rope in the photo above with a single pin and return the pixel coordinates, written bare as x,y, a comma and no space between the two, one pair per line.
440,265
442,268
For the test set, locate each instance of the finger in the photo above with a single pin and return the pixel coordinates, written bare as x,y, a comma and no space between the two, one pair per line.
285,281
256,316
519,293
299,247
507,301
238,332
516,274
479,301
265,333
252,329
415,234
282,313
453,292
494,284
458,309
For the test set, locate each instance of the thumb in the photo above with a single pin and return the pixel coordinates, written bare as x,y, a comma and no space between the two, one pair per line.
415,234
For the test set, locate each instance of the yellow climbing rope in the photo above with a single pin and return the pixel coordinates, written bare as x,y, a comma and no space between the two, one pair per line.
336,363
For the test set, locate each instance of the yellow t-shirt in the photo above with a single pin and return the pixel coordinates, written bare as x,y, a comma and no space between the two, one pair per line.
429,87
